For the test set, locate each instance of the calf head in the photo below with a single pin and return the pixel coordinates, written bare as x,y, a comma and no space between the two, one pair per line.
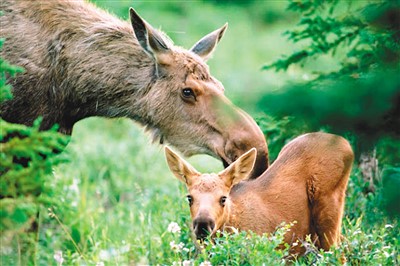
208,195
186,106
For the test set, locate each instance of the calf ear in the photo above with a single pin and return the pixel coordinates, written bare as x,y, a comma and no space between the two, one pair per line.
205,47
150,39
179,167
240,169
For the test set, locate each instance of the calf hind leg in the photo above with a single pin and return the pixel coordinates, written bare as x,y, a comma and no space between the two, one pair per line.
327,213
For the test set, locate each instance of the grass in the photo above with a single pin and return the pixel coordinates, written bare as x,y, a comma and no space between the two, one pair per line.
115,198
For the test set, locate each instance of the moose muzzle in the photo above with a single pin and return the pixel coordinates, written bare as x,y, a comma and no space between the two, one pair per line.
202,227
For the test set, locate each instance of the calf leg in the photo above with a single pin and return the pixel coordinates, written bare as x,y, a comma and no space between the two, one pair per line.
327,214
326,191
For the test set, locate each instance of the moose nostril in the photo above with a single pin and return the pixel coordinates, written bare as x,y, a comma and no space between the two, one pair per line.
203,227
235,148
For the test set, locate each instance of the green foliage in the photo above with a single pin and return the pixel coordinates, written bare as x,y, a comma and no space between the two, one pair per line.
27,157
248,248
6,68
362,96
34,150
344,104
358,247
390,185
367,34
279,132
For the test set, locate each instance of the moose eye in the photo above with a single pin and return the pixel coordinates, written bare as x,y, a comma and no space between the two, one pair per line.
188,94
222,201
189,199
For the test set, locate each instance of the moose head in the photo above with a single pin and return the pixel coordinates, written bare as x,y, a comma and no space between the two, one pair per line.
187,105
208,194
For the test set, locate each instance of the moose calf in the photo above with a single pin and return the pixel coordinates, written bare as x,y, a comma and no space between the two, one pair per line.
306,183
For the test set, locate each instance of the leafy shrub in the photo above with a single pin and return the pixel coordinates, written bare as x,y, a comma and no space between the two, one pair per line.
358,247
247,248
237,248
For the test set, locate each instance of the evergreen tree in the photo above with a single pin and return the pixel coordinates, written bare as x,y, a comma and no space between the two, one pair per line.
27,157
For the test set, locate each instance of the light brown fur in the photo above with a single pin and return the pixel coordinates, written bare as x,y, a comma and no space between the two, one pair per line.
80,61
306,184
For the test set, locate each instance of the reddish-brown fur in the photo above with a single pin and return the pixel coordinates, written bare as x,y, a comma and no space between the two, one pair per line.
80,61
306,184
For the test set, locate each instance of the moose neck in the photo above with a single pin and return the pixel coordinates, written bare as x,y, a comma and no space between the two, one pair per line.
247,194
117,85
94,67
113,86
266,190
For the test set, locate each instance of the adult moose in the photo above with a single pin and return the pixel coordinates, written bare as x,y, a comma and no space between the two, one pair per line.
80,61
306,183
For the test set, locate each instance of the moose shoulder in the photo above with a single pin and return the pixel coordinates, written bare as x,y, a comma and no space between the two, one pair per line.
80,61
306,183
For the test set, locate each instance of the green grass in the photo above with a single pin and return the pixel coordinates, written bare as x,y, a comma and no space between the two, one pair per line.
116,197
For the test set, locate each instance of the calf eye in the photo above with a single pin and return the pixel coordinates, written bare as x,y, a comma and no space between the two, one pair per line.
188,94
222,201
190,200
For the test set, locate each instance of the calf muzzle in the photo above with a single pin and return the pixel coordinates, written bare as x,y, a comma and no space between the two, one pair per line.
203,227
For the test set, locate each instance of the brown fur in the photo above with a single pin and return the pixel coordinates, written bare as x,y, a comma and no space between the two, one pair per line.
306,183
80,61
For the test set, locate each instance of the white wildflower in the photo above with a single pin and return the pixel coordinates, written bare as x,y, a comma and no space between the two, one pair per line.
387,255
74,187
58,257
176,247
108,254
388,226
174,228
187,263
182,263
205,263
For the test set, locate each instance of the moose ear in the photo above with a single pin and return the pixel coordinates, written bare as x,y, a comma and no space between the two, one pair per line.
240,169
205,47
179,167
150,39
